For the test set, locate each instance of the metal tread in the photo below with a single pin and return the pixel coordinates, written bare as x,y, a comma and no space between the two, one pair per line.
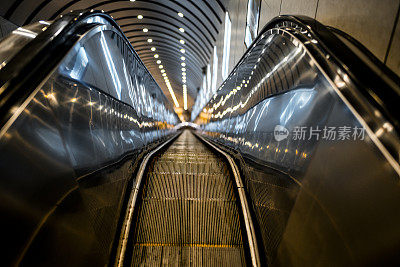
188,213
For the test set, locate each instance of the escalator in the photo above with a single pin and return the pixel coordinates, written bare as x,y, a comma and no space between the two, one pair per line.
187,193
95,171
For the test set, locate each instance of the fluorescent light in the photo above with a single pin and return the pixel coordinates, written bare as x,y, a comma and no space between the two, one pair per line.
215,71
171,92
185,98
227,46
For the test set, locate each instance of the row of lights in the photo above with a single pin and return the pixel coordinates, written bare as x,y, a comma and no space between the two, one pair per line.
183,64
161,67
167,82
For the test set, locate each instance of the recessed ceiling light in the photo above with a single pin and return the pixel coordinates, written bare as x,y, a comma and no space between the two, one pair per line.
182,29
180,14
164,74
182,41
156,55
153,49
183,69
158,61
139,16
183,73
145,30
183,64
161,66
132,0
149,40
183,50
183,58
162,71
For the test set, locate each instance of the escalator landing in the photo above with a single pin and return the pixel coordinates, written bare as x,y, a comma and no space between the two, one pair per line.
187,212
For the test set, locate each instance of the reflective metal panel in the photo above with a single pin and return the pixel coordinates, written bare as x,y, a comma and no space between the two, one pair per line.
17,39
69,151
323,184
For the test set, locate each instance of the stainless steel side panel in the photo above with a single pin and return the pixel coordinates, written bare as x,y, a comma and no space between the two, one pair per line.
318,201
60,198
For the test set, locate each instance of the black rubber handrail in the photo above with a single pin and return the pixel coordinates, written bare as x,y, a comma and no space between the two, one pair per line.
36,60
368,54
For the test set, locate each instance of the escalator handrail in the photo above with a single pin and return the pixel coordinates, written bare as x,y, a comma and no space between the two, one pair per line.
383,95
368,54
33,63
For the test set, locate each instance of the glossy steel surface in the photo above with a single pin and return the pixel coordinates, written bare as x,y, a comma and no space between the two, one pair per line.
19,38
317,201
68,152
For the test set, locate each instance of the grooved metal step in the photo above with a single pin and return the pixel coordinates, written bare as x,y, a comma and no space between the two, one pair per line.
188,213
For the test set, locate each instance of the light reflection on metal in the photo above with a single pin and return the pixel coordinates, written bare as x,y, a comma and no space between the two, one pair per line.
242,114
25,32
111,65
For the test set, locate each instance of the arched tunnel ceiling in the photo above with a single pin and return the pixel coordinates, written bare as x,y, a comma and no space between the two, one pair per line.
201,22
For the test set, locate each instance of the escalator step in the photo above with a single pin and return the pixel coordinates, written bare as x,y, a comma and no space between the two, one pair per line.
188,214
